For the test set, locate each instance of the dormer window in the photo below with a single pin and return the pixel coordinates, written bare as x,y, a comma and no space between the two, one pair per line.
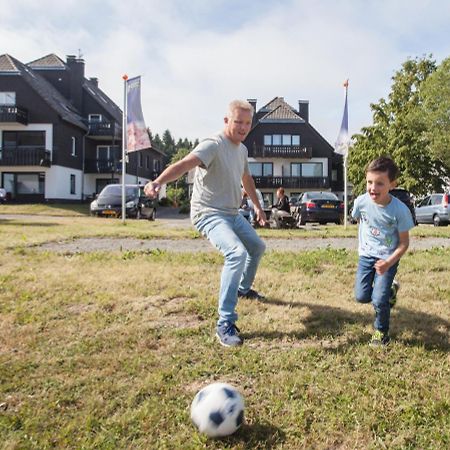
286,140
7,98
95,117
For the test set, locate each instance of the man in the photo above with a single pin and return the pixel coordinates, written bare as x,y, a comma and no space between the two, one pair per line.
281,208
221,167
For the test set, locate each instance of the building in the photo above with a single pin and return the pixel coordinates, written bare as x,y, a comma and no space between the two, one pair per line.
60,134
286,151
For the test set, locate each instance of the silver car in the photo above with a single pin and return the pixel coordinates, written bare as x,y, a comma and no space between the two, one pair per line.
434,209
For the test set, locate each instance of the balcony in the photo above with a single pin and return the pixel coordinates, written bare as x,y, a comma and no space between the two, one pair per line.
103,166
13,114
309,183
25,156
280,151
104,129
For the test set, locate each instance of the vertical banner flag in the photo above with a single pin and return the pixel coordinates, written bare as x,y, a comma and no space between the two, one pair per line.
137,134
343,140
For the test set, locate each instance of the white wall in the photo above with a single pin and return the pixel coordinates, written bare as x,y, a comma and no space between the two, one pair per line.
57,183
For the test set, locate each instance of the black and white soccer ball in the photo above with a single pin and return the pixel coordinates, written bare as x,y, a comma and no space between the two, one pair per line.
218,410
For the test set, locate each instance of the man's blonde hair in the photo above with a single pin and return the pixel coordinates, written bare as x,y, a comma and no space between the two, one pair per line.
239,104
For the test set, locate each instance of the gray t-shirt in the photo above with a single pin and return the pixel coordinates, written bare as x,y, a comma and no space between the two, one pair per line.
217,182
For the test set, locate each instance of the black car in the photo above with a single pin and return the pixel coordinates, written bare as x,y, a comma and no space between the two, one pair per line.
404,196
316,206
109,202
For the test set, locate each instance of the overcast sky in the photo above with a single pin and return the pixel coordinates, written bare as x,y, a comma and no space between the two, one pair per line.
195,56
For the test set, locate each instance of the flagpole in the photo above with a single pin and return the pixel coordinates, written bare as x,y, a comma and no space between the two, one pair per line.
345,190
124,144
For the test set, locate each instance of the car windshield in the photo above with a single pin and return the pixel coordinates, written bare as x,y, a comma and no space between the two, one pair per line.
115,190
321,196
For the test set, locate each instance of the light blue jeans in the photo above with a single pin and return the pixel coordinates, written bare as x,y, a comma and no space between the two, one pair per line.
242,248
371,287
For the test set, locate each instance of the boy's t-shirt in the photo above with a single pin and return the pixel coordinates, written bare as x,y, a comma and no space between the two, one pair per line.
379,226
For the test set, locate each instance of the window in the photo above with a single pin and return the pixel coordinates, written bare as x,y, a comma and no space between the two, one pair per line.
108,152
14,139
306,170
7,98
140,159
334,176
95,117
74,146
147,162
287,140
72,184
156,165
261,169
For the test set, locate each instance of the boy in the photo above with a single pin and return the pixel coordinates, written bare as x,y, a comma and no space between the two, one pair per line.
384,224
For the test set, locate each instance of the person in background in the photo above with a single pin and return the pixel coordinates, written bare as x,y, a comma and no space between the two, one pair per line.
281,208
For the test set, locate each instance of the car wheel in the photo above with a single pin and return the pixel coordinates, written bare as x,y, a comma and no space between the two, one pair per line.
301,220
152,215
436,221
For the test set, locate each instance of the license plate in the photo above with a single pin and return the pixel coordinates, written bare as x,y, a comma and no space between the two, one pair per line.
328,206
109,212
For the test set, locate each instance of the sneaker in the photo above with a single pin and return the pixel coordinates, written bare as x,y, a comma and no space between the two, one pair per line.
380,339
228,336
394,289
251,294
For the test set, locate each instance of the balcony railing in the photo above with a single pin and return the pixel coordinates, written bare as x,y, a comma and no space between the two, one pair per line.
103,166
25,156
292,182
103,128
280,151
13,114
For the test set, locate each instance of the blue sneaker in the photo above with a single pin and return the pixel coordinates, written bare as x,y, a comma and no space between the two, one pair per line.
251,294
228,336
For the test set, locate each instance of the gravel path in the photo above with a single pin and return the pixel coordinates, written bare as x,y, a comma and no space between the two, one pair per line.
202,245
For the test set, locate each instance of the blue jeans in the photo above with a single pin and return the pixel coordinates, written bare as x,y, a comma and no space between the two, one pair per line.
371,287
242,248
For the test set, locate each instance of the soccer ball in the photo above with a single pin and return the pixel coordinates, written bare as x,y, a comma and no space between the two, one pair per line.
218,410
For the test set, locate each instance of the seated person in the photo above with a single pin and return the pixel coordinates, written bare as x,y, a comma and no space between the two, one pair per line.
281,208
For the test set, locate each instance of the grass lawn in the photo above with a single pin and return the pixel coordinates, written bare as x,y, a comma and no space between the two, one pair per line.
107,350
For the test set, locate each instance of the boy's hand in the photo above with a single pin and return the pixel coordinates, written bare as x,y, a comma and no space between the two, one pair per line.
381,266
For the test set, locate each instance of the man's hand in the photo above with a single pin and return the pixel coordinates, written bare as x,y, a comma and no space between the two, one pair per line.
261,217
151,189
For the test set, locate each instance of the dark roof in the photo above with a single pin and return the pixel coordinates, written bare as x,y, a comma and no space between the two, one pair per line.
92,89
7,65
48,62
48,93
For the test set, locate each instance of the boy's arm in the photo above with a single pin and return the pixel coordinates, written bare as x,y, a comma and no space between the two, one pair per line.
382,266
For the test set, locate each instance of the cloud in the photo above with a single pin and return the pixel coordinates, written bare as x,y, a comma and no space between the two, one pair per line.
194,57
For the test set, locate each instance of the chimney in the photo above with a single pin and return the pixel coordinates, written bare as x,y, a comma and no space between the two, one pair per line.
252,102
76,66
303,109
94,81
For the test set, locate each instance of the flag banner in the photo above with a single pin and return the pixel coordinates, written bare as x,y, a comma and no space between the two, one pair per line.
343,139
137,134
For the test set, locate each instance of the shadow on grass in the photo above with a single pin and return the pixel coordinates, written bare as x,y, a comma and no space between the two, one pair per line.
258,435
17,223
324,322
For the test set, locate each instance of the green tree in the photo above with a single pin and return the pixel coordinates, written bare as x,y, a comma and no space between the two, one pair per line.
436,112
177,191
398,132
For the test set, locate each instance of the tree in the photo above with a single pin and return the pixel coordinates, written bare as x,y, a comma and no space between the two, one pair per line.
436,112
397,131
177,191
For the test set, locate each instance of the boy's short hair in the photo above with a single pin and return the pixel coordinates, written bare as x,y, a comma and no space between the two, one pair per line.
384,164
240,104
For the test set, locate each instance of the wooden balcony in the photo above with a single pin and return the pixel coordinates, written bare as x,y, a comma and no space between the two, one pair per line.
25,156
13,114
104,129
280,151
103,166
309,183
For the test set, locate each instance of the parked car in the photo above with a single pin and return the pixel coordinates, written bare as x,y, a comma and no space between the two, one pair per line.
322,207
434,209
109,202
2,195
404,196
